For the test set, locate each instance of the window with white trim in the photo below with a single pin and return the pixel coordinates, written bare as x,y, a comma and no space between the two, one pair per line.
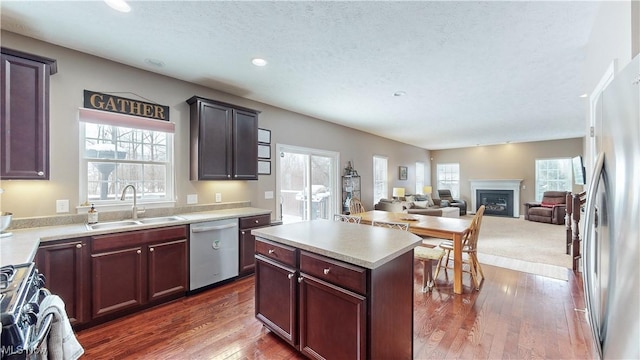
553,175
118,150
380,187
449,178
419,177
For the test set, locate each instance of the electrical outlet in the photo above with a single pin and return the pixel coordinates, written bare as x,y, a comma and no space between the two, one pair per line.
192,199
62,206
218,197
268,195
524,187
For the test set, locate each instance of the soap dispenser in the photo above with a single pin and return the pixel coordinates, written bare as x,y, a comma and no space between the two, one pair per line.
92,215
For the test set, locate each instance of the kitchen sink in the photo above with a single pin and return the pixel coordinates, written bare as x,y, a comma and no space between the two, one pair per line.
127,223
160,219
112,225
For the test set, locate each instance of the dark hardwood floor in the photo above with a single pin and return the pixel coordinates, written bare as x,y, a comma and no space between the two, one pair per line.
515,315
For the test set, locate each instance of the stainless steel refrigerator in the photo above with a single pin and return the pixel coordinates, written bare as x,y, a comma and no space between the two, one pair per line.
611,267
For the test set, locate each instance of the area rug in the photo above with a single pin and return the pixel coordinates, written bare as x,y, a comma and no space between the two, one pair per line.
522,245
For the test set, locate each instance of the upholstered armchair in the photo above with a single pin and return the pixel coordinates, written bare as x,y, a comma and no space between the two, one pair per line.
445,194
550,210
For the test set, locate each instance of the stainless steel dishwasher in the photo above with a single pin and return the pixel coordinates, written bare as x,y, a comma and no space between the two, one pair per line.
214,252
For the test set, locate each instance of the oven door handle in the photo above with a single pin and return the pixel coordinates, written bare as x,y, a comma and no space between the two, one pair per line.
42,335
45,326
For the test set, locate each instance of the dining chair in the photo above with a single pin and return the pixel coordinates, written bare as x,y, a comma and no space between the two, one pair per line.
355,206
392,225
347,218
428,257
469,247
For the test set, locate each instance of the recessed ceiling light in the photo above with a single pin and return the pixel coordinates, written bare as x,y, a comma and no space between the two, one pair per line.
119,5
400,93
154,62
584,95
259,62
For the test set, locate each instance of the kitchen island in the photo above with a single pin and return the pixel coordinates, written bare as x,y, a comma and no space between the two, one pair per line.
337,290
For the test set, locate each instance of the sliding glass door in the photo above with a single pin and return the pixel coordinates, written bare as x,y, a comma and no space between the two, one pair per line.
307,183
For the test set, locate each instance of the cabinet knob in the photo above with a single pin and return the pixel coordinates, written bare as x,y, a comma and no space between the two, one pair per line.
300,279
290,276
151,249
228,176
78,246
271,251
40,173
326,271
242,232
257,222
139,251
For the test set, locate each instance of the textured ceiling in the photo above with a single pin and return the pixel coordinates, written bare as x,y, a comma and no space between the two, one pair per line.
473,72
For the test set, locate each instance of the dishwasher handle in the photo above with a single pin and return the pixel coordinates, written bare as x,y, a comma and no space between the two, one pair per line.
212,228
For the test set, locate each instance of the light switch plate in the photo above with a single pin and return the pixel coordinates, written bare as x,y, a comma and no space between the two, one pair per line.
268,195
192,199
62,206
218,197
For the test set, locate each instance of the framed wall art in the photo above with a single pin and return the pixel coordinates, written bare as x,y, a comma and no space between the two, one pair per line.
264,151
264,136
402,172
264,167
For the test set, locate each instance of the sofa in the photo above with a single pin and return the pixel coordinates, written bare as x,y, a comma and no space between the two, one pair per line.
413,204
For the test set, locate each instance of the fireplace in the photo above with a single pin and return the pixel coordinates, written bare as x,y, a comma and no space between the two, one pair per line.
496,186
496,202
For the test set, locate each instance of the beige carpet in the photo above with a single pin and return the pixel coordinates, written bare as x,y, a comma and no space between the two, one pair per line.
522,245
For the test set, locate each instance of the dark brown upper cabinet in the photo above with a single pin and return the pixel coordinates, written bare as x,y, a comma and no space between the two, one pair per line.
224,141
25,115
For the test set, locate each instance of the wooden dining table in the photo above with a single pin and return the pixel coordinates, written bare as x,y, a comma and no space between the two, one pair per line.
433,226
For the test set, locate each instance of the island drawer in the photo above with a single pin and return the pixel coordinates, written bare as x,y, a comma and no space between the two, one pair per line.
334,271
279,252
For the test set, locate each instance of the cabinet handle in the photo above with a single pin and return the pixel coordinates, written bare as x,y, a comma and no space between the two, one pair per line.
78,246
326,271
151,249
139,251
290,276
40,173
271,251
300,279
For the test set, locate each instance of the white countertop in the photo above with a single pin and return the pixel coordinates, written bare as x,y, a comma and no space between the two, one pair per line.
363,245
21,247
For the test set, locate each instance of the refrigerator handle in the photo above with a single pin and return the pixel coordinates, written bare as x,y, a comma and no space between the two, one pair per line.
590,218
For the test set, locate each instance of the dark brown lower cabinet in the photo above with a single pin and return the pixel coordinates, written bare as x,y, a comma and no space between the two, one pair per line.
276,298
117,280
329,309
65,265
136,269
167,264
333,321
247,246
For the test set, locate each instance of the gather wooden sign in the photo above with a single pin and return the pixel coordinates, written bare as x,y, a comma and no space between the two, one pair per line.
117,104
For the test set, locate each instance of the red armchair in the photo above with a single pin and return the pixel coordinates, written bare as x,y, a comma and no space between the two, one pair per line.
550,210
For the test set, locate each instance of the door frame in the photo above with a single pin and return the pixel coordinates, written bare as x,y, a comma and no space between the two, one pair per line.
337,196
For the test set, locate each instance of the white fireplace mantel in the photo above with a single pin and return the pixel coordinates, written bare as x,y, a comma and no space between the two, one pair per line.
497,184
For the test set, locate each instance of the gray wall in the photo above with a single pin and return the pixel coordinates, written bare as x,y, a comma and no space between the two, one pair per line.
78,71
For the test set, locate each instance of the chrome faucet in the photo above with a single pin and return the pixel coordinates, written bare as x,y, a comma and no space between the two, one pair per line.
134,208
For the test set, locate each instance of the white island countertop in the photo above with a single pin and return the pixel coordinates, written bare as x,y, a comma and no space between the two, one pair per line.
363,245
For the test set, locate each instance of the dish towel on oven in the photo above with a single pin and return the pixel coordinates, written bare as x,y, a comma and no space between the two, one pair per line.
61,344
